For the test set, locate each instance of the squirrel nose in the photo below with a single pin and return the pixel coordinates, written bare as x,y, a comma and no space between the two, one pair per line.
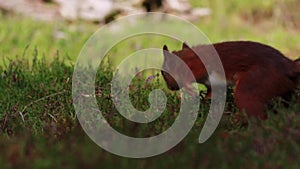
174,87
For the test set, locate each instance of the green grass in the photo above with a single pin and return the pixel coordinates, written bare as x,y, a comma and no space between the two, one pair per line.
38,124
227,22
49,136
18,33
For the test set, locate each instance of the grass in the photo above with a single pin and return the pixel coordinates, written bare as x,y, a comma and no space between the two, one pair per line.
40,130
18,33
38,124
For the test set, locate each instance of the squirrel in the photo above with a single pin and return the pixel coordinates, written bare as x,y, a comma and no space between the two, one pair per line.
258,71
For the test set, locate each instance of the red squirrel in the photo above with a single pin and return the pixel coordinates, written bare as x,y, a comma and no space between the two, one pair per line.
258,72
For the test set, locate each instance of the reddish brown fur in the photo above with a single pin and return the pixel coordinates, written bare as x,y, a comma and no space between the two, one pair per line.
258,71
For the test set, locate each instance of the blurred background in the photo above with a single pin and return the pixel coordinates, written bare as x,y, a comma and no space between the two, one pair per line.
65,25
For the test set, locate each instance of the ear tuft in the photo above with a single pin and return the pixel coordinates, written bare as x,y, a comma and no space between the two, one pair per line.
165,48
184,45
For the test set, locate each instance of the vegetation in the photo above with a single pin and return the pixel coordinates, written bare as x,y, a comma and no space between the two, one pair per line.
38,124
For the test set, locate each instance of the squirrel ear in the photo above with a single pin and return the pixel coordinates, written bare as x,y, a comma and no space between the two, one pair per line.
184,45
166,53
165,48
